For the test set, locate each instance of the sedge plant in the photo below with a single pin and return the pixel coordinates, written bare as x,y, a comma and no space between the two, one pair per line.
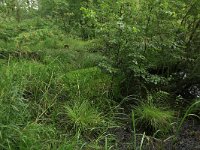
156,118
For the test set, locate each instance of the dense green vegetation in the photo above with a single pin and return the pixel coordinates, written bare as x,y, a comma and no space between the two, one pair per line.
97,74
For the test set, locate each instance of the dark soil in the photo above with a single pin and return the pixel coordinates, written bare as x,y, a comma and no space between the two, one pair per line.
124,137
188,139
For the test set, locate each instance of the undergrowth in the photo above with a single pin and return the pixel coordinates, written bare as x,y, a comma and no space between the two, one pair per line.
60,92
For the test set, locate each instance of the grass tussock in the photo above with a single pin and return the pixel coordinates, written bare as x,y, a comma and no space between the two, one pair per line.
154,117
84,116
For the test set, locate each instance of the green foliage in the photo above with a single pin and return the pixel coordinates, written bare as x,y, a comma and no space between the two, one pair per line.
47,36
15,113
161,98
142,35
84,116
53,95
154,117
155,112
33,136
90,82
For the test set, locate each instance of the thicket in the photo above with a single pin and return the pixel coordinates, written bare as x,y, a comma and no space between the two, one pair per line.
86,74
